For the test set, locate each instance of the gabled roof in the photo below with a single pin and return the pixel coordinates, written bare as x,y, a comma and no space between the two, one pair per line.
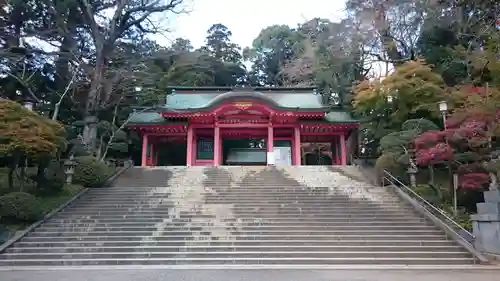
204,99
201,99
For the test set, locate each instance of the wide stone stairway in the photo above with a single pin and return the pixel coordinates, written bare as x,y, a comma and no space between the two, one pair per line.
227,216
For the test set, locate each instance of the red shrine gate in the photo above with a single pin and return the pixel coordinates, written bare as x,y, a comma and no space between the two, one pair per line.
246,119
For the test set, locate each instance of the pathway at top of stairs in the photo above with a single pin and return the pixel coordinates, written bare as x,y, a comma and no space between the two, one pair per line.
236,217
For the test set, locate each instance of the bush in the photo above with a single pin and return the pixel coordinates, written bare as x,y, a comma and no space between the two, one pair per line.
90,172
52,180
20,206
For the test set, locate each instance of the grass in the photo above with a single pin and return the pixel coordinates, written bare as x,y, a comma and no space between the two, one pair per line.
47,202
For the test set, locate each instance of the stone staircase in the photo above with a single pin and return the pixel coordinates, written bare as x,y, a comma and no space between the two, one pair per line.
235,216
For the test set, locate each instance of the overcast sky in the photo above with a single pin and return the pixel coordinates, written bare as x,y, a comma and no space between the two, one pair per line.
246,18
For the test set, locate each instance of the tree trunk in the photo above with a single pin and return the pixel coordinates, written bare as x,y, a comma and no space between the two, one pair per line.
11,178
92,106
12,168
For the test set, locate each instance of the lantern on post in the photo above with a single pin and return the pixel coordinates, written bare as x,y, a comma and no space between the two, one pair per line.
69,168
443,108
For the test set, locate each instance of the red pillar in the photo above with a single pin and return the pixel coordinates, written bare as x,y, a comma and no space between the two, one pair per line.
343,150
217,146
296,146
189,153
156,157
144,156
270,142
195,147
152,151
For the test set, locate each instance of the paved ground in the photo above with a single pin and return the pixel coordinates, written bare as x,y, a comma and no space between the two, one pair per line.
246,275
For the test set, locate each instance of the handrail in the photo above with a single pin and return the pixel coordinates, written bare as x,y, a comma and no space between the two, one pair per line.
462,231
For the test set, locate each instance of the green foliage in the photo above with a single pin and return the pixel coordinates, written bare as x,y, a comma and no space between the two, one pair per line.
54,179
387,161
90,172
26,131
20,206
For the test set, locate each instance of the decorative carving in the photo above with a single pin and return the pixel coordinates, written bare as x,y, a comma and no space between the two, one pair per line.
242,105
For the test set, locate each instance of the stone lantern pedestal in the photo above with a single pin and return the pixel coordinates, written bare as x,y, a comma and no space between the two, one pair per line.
486,223
413,178
69,169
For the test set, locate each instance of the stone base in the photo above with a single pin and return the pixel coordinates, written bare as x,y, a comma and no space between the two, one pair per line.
486,224
487,236
492,196
488,208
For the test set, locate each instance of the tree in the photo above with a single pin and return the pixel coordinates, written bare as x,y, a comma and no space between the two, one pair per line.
128,16
226,57
24,133
410,92
396,148
275,46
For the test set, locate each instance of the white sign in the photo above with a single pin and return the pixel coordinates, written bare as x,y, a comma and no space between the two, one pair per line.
283,155
270,158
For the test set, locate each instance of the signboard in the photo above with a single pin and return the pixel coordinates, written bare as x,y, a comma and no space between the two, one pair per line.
283,155
270,158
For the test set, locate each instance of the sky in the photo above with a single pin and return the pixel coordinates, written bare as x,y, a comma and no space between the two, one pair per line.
246,18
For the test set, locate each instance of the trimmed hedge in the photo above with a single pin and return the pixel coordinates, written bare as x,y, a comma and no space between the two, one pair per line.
90,172
20,206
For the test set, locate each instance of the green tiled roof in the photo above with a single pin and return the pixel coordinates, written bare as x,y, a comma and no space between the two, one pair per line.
200,99
304,100
339,117
147,118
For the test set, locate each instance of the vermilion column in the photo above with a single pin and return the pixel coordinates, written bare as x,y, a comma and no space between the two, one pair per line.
151,157
189,153
343,150
144,156
270,140
217,146
195,147
156,156
296,146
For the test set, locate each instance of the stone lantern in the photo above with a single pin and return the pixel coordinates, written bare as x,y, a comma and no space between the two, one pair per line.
29,103
412,172
69,168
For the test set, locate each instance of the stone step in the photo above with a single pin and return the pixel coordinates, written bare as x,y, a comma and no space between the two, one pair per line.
240,243
232,249
241,201
245,188
165,205
333,217
159,209
259,237
284,221
240,255
240,261
244,197
258,186
207,232
240,228
291,223
244,214
197,207
232,200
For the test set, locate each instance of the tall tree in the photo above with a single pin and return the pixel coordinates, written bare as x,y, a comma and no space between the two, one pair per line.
226,56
